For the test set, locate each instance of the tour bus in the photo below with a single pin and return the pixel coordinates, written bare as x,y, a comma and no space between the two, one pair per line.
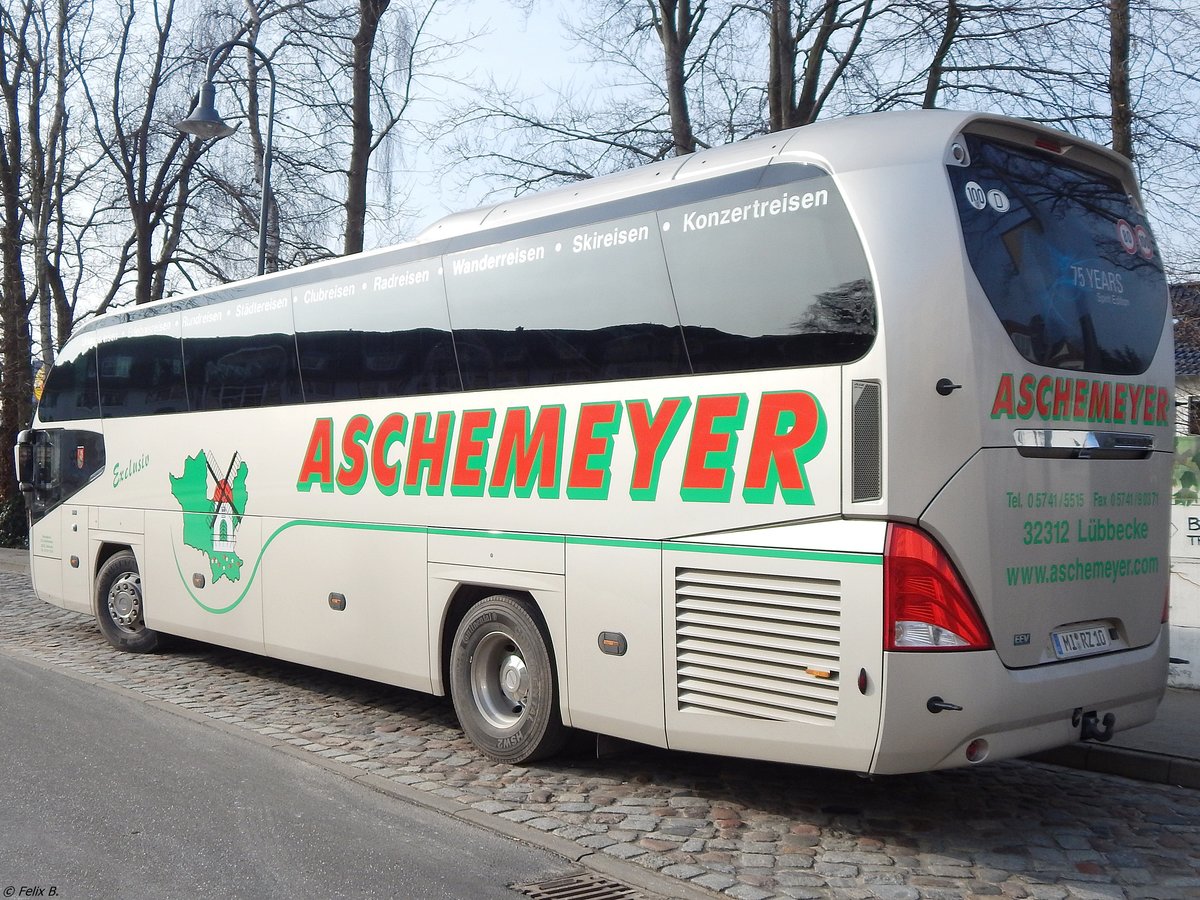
846,446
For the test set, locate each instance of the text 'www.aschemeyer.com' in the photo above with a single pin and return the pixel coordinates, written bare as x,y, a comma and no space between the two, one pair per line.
1081,570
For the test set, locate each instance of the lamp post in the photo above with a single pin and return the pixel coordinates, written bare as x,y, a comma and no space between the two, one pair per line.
206,123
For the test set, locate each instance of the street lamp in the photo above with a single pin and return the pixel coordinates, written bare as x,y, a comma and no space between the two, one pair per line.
206,123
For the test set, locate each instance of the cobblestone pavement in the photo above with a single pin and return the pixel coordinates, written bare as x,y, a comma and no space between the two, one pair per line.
748,830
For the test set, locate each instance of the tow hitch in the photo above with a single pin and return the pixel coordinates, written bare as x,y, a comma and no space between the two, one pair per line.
1092,727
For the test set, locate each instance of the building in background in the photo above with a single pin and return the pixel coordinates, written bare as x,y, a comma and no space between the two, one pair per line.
1185,511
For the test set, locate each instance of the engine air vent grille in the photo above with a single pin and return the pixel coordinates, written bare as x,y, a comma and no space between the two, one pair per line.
757,646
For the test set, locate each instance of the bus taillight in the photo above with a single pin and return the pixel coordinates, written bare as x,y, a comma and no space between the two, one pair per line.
926,604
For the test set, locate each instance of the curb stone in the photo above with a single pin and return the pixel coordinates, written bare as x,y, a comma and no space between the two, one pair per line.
1140,765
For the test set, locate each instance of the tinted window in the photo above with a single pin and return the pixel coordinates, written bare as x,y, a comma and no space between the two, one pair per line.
582,304
381,334
1065,258
241,354
771,277
65,460
141,373
71,391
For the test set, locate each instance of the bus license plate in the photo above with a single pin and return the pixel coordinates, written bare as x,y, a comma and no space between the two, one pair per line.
1080,642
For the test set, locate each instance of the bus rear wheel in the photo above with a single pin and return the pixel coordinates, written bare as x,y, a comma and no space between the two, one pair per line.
502,682
119,606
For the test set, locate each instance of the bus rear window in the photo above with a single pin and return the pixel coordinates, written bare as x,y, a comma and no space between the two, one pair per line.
1065,257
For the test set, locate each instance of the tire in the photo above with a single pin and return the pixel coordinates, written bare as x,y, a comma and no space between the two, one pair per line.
119,606
503,684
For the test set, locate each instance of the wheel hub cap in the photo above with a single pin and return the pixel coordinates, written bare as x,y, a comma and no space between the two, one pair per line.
500,681
514,678
125,601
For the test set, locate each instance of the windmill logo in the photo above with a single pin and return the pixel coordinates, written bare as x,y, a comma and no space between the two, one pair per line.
225,518
213,500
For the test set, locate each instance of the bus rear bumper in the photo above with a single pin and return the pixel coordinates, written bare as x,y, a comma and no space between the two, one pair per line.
1014,711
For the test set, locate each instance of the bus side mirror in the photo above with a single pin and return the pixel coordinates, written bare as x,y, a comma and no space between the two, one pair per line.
24,459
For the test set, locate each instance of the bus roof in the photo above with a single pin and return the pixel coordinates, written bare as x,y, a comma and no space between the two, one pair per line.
854,142
840,145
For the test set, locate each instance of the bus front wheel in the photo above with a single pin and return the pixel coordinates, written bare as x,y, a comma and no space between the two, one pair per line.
502,682
119,606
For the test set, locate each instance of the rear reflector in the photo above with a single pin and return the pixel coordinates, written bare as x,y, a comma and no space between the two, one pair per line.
977,750
927,606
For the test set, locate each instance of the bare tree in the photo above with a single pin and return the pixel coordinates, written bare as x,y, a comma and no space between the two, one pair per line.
46,170
937,64
352,71
361,130
998,54
677,24
1118,77
1151,80
803,38
152,161
23,36
664,78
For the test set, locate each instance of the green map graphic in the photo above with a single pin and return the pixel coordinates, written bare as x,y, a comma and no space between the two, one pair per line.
191,490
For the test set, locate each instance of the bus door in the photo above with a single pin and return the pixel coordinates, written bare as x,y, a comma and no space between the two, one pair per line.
53,465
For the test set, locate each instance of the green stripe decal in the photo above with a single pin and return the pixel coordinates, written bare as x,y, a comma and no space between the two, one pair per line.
499,535
854,559
310,523
862,559
625,543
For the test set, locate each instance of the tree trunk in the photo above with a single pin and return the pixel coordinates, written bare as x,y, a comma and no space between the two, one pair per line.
16,381
143,254
933,81
1118,77
781,79
676,28
369,13
51,294
806,109
796,98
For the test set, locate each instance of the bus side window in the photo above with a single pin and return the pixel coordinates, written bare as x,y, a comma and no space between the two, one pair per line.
588,303
241,356
388,337
771,278
241,372
141,376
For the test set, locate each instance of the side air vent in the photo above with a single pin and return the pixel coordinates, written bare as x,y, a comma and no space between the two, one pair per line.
866,441
758,646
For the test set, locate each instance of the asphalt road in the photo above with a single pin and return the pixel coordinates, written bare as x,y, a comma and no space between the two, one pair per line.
104,796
